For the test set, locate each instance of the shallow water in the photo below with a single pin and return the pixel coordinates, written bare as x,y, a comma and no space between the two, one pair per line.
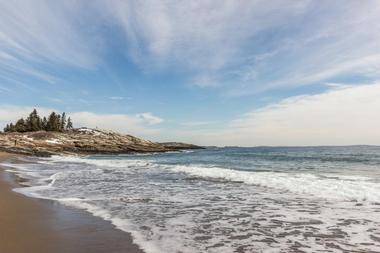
324,199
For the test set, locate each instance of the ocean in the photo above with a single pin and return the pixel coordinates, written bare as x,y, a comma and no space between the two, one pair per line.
262,199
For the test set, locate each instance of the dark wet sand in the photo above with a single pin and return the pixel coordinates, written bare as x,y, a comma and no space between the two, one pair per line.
29,225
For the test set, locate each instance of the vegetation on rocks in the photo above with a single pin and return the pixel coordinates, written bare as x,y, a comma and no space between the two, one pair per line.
33,123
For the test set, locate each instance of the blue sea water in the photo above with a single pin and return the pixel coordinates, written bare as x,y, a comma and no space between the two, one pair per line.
263,199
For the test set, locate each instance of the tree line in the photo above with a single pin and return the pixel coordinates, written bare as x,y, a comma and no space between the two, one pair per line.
54,122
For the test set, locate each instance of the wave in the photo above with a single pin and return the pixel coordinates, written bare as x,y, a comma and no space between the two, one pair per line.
114,163
347,188
328,186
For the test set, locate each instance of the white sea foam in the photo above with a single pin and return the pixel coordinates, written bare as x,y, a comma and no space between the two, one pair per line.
122,224
113,163
13,165
348,188
339,187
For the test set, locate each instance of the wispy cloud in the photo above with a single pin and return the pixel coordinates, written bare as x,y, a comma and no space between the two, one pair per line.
116,98
198,34
242,46
252,46
197,123
2,89
35,33
55,100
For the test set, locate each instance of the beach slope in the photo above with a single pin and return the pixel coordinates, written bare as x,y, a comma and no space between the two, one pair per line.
43,226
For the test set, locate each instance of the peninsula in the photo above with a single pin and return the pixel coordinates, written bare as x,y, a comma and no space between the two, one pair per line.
56,136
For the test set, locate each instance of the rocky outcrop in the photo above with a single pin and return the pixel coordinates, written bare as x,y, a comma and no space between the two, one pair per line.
180,145
78,141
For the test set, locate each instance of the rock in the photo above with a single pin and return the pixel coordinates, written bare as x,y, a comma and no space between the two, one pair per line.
80,141
180,145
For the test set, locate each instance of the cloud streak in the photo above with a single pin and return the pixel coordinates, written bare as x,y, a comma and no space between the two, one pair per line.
36,33
240,47
252,46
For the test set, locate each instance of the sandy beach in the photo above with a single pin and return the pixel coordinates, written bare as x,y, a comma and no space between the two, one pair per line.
34,225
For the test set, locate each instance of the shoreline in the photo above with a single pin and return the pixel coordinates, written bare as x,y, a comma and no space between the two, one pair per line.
36,225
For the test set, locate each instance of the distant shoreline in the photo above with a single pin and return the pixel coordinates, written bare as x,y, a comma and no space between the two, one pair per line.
44,226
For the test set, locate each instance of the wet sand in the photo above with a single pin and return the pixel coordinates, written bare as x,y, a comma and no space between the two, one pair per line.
34,225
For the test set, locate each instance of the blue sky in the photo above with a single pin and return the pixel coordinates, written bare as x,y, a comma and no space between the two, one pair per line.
209,72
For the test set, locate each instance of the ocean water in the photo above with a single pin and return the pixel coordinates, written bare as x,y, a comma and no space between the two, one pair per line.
313,199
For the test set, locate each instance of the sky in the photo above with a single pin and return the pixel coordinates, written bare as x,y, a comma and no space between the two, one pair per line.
210,72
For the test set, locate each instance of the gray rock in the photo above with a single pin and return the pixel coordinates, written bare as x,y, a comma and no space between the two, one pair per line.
80,141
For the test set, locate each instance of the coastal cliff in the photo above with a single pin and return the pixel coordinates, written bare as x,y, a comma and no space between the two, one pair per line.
81,141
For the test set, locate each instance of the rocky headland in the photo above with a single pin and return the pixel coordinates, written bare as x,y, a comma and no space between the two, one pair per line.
82,141
179,145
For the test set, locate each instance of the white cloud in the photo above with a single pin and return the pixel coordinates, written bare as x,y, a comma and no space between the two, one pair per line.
132,124
10,113
149,118
341,116
116,98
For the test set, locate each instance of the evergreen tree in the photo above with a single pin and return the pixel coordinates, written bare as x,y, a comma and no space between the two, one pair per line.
44,124
52,122
69,124
55,122
7,128
12,128
57,125
21,126
33,122
63,121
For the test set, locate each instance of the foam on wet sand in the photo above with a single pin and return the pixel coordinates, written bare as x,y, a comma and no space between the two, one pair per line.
33,225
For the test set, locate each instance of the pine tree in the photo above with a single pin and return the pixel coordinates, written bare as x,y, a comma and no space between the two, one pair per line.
12,128
33,122
21,126
55,122
57,125
51,123
44,124
69,124
7,128
63,121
